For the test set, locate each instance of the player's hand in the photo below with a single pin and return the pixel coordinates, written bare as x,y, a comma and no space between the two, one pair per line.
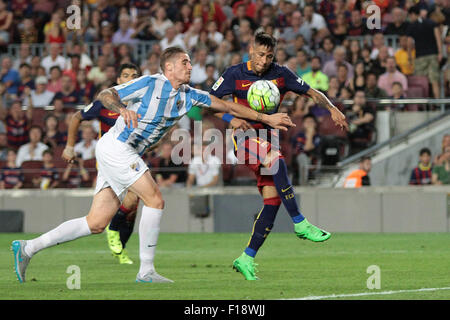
237,123
339,118
130,117
280,121
69,154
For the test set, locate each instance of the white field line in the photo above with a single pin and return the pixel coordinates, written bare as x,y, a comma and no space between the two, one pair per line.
367,294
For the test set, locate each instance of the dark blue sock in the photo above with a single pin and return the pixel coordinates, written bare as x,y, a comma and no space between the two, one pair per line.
261,228
118,219
285,189
126,229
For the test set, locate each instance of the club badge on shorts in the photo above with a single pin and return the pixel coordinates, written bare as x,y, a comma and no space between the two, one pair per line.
135,166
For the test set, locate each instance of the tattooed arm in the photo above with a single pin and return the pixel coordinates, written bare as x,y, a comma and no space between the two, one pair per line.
322,100
111,100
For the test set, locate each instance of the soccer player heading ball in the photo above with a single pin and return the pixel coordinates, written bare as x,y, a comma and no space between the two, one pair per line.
275,188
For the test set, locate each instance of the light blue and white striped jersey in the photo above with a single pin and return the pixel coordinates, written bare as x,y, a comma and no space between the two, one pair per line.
159,105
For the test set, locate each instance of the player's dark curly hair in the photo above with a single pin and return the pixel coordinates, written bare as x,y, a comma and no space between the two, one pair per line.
264,39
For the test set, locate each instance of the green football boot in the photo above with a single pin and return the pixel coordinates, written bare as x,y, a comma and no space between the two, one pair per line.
124,258
305,230
246,265
114,243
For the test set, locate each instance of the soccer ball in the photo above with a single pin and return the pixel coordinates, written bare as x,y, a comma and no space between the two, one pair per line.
263,96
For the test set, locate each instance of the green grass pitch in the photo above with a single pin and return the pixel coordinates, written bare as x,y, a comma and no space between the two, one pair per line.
200,265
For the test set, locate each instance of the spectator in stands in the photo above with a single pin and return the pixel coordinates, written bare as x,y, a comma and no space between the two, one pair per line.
160,23
172,39
54,58
48,175
85,149
58,110
372,90
316,78
421,175
35,66
34,149
340,28
97,73
397,91
55,35
75,175
315,21
342,76
211,77
11,175
333,88
18,124
379,64
54,84
377,43
107,12
345,93
106,32
6,19
354,53
204,169
56,20
358,81
358,26
441,173
305,147
145,31
9,77
439,159
303,65
27,32
26,80
3,146
92,31
296,27
125,31
24,56
69,94
399,25
360,177
361,122
427,39
40,97
331,67
390,76
199,67
325,52
169,174
52,136
404,62
222,56
210,11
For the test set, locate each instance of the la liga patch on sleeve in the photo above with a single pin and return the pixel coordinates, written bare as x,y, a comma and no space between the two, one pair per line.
218,83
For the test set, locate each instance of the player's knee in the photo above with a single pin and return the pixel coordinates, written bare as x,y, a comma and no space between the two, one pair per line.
154,201
97,227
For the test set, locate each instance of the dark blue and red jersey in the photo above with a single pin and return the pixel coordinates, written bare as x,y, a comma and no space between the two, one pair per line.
420,176
237,79
97,110
11,176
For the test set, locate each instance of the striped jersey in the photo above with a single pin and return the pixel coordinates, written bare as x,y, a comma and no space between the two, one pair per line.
96,110
159,105
237,79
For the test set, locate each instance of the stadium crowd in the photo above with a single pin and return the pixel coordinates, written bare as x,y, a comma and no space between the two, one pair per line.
327,43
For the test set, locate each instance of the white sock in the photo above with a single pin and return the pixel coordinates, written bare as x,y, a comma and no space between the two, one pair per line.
67,231
148,238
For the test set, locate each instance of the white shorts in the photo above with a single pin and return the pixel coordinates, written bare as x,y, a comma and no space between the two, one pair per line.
119,165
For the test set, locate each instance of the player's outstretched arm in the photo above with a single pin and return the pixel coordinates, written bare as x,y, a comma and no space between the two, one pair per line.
277,120
111,100
337,116
236,123
69,153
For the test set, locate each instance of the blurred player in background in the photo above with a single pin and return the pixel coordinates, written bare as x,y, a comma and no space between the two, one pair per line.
157,103
121,227
259,153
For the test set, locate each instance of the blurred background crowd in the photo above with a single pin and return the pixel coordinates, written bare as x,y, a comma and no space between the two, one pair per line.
54,62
